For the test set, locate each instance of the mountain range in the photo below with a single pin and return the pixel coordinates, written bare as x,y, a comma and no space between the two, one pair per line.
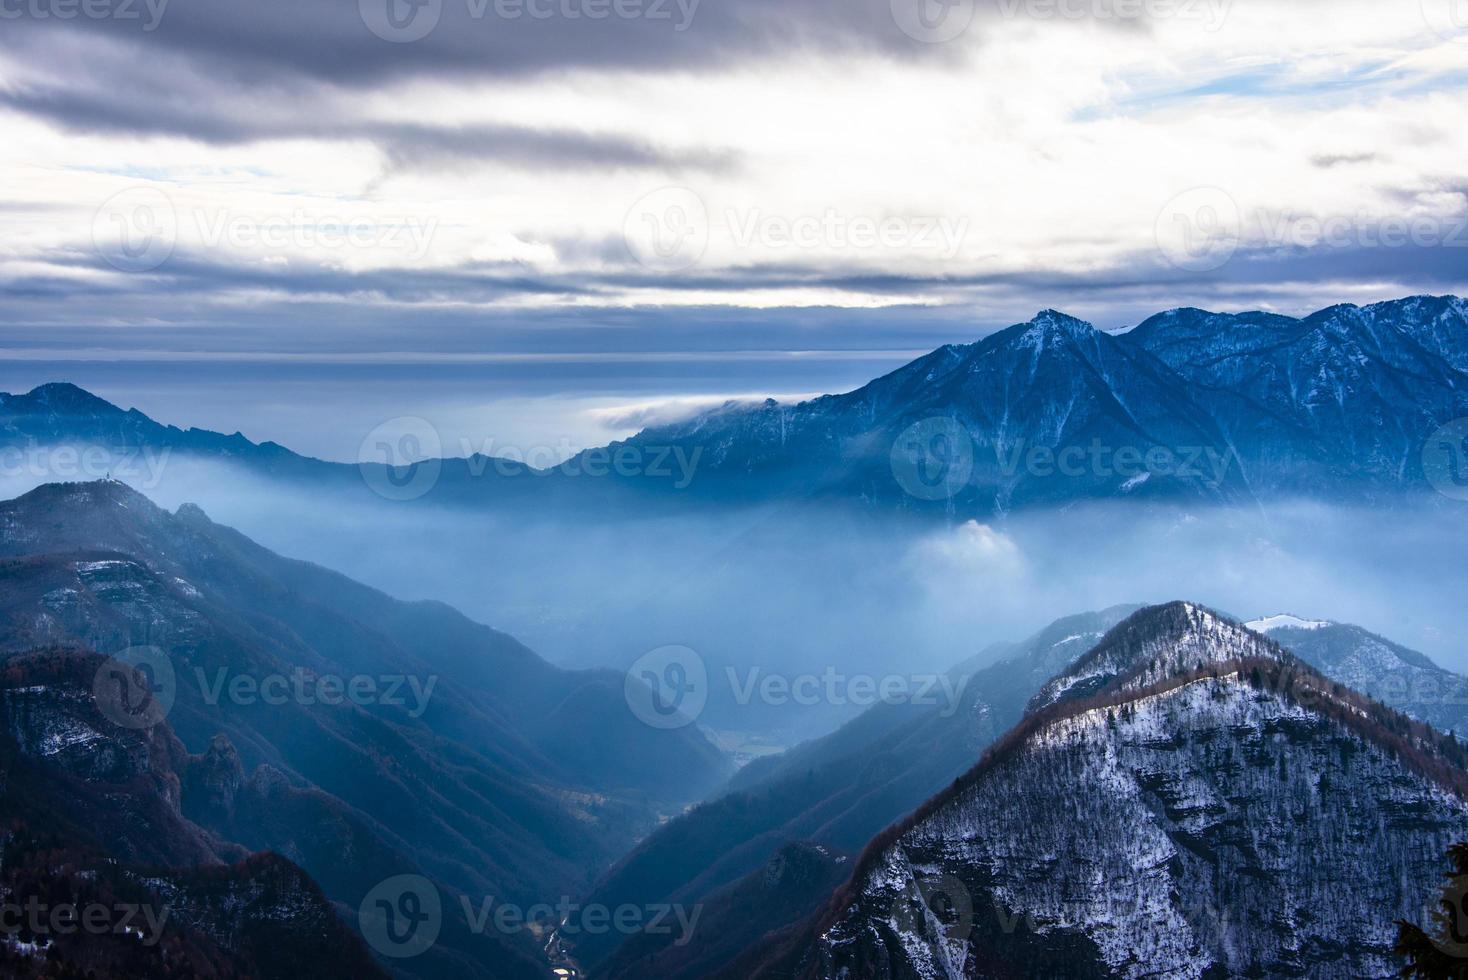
1235,407
1189,405
1275,793
479,767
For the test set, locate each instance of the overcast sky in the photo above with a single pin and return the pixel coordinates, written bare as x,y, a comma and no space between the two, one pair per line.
558,211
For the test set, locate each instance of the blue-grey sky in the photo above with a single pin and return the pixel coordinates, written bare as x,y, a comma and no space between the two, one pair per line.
550,219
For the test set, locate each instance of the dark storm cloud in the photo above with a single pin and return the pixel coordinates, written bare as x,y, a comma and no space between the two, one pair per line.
230,73
338,41
405,146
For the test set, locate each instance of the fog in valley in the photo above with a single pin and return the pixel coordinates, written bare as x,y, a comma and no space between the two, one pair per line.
832,594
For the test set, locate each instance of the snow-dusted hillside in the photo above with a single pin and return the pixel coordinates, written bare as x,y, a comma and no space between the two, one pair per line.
1175,638
1200,826
1393,674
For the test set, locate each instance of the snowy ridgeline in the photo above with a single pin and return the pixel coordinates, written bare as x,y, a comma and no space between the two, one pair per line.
1193,638
1213,825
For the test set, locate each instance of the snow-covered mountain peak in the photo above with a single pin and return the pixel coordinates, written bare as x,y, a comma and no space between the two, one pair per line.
1051,326
1153,644
1108,838
1108,842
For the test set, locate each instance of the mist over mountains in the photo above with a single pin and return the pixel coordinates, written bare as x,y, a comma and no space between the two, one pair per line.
755,490
357,736
897,526
1230,407
1228,756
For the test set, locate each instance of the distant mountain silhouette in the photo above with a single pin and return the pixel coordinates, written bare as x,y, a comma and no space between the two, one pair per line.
1190,406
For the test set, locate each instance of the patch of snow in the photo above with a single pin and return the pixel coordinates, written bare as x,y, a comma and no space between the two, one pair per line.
1136,481
1286,621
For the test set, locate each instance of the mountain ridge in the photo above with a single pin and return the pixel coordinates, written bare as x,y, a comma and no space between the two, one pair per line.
857,930
1345,397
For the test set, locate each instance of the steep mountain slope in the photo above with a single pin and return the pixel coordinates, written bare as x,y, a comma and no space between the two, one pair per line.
839,790
1215,808
733,919
459,775
1389,672
93,823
